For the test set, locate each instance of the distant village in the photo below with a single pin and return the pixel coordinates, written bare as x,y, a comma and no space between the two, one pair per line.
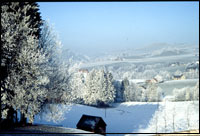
191,67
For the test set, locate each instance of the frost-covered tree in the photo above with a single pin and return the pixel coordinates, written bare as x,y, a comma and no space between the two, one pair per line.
23,84
77,86
107,94
165,74
196,92
131,91
99,88
8,49
179,94
154,92
54,112
187,93
125,84
56,70
148,74
90,93
119,93
127,74
33,72
27,81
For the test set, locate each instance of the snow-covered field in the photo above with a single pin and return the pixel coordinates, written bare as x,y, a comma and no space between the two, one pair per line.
130,117
134,80
168,86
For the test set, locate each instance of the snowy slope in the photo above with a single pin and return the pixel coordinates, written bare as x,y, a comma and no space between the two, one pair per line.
133,117
185,114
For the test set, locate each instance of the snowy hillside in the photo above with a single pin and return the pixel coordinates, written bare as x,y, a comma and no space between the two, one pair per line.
160,46
149,60
73,57
168,52
133,117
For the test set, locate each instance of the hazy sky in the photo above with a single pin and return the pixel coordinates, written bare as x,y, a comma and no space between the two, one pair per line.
103,26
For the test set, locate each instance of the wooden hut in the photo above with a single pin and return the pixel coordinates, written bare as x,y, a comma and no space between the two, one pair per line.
92,123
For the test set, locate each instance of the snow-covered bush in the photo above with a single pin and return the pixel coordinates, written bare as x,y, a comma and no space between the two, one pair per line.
187,93
179,94
54,112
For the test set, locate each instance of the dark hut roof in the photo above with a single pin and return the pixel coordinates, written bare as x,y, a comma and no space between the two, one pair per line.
178,75
90,121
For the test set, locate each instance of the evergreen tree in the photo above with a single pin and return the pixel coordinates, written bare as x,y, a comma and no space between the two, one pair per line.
106,89
131,91
90,93
125,84
77,86
23,79
99,88
119,94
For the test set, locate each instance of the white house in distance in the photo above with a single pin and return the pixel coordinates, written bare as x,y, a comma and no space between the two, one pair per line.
83,71
156,79
159,78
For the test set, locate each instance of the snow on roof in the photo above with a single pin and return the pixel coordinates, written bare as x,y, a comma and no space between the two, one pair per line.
178,74
90,120
158,78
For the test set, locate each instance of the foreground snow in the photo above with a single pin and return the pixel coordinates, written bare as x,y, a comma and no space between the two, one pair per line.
130,117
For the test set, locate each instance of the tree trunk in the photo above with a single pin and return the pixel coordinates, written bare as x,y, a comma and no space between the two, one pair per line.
0,107
23,120
9,121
